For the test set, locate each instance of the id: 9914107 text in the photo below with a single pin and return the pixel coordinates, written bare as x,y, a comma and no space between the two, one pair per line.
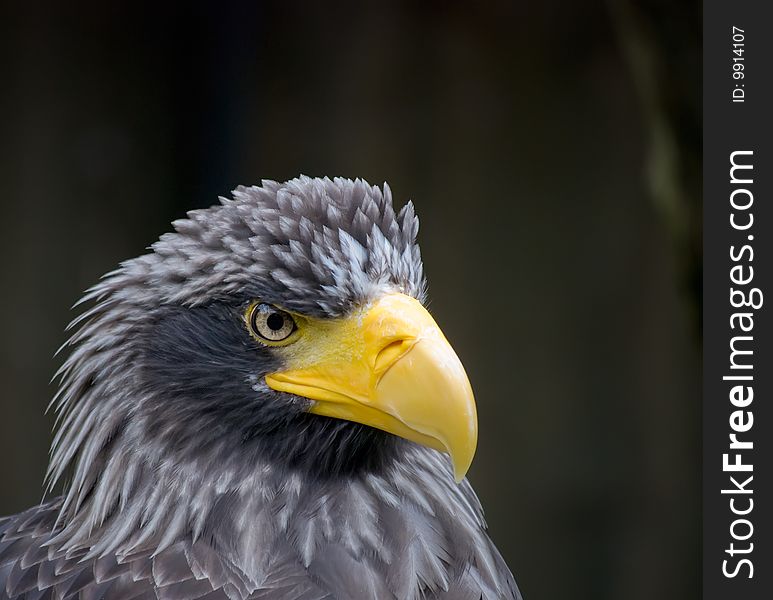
739,93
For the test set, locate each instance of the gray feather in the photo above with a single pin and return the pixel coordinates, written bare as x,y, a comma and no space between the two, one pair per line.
189,479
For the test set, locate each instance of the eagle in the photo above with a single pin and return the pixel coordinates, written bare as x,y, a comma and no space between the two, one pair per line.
261,407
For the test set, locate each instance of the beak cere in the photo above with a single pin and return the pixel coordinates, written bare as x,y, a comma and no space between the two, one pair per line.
390,367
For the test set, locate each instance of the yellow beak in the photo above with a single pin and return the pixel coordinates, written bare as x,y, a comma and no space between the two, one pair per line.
390,367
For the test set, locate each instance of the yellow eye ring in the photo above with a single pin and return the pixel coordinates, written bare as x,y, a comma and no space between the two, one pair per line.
270,325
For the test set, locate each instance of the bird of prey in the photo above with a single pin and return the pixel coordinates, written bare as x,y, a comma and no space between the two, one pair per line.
261,407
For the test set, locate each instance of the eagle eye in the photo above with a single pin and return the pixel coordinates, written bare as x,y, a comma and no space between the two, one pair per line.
269,324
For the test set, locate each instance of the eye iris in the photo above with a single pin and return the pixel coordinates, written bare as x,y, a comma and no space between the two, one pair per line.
270,323
275,321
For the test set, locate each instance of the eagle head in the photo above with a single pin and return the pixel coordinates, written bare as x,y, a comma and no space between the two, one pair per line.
282,327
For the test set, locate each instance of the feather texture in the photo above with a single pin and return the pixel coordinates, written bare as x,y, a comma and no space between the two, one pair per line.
189,478
341,539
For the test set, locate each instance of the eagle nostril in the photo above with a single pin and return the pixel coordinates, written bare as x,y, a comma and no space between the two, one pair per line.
390,353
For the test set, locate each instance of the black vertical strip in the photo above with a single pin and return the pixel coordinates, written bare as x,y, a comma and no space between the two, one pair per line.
738,269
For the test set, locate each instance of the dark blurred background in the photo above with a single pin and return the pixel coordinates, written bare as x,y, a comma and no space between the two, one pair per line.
552,150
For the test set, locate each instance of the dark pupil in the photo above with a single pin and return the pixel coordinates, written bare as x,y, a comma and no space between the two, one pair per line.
275,321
